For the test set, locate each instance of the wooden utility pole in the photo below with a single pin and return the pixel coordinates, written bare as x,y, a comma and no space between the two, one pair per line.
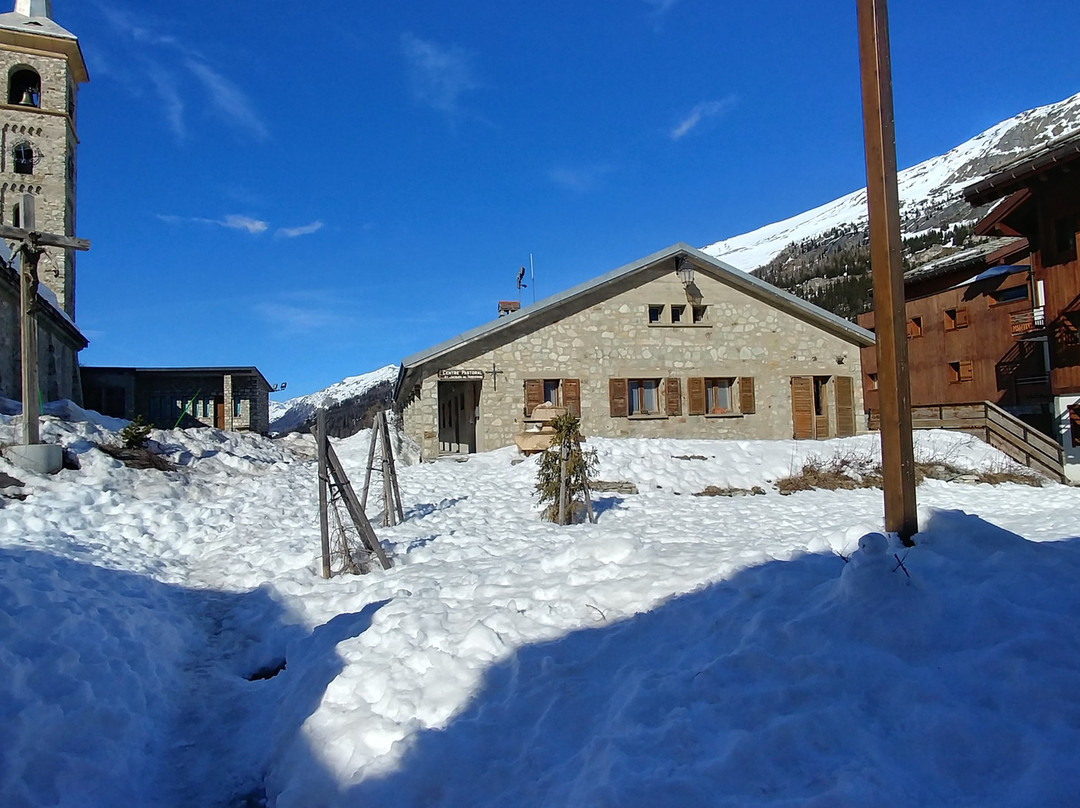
30,247
890,317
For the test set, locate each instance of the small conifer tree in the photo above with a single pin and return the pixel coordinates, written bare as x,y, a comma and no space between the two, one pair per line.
135,434
566,440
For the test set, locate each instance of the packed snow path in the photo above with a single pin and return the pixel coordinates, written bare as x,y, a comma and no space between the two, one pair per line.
505,661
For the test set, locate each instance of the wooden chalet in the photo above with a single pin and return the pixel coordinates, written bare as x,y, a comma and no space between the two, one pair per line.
1040,196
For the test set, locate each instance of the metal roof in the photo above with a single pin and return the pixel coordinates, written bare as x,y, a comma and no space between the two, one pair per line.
249,370
517,322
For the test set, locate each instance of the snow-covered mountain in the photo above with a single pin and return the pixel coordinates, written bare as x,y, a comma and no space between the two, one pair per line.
930,192
347,404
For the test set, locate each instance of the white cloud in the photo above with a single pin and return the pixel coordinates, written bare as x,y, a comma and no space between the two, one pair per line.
700,112
253,226
176,71
440,74
302,230
304,311
232,221
579,179
233,105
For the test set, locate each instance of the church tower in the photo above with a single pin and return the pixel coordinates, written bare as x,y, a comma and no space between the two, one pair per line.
41,68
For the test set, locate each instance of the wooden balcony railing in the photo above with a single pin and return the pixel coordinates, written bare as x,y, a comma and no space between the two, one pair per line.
1028,323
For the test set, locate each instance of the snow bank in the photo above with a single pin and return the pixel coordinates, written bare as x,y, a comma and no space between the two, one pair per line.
683,651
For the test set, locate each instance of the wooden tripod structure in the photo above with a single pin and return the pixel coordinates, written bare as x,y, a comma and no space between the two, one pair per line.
391,493
334,486
30,248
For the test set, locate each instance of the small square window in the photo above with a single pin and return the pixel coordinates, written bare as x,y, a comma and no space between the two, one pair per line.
872,377
698,313
238,407
914,327
677,314
955,319
961,371
655,313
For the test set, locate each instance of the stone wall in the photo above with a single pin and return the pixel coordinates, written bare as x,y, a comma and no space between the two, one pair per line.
58,368
740,336
50,131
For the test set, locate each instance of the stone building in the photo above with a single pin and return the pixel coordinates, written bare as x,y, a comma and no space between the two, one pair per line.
42,67
231,398
676,344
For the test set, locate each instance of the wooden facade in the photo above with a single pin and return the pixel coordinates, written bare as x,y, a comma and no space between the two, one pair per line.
964,341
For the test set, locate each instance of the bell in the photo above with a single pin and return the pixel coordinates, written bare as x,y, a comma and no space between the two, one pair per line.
28,98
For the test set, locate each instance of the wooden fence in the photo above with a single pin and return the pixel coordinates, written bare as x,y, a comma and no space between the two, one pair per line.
1002,430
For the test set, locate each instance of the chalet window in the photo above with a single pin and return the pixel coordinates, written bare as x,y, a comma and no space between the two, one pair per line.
677,314
238,407
1074,424
698,314
560,392
717,395
961,371
1010,294
655,313
871,381
955,319
914,327
644,396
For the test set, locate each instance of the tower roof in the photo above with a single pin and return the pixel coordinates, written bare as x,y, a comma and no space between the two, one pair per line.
31,26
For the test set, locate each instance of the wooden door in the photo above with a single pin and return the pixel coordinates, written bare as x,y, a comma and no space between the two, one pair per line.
219,413
802,407
845,406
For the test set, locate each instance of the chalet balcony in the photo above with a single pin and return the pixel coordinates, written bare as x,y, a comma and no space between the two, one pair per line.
1028,324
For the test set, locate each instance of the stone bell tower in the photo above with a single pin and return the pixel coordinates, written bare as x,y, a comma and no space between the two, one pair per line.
41,68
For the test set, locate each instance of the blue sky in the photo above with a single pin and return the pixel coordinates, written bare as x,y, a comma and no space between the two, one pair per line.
322,188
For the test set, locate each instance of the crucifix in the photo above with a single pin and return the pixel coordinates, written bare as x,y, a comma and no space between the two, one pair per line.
31,243
494,377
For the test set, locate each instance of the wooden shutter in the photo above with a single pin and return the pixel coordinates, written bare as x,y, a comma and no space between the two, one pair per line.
571,396
802,407
961,318
534,395
845,406
618,398
747,403
967,371
673,396
695,394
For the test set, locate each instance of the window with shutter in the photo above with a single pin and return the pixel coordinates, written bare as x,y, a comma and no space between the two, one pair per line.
695,395
845,406
618,399
747,401
802,407
571,396
534,395
673,396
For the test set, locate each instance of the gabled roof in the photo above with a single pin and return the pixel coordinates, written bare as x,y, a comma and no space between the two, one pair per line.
551,309
1018,173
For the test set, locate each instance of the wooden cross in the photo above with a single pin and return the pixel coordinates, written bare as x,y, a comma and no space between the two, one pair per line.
494,376
31,244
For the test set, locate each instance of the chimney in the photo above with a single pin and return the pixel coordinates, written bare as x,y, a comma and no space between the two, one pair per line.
508,306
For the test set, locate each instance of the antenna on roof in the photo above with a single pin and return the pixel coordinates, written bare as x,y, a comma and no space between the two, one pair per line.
532,277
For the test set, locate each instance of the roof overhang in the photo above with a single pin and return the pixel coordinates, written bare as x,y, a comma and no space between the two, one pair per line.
511,326
1020,173
248,370
50,40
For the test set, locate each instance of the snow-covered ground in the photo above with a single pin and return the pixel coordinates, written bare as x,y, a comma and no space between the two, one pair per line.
683,651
